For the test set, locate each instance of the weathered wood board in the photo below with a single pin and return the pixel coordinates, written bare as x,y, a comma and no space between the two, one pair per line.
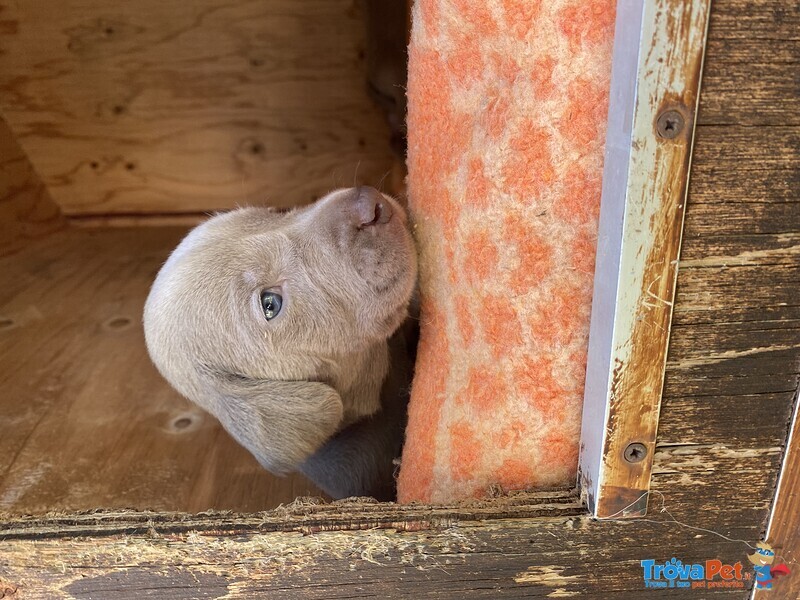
221,557
655,83
185,107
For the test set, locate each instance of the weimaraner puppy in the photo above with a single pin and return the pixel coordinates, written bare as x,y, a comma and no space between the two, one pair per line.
287,328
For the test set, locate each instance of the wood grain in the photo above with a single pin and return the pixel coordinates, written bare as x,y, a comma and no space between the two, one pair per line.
735,353
87,420
231,556
746,164
752,78
26,210
784,527
656,70
151,106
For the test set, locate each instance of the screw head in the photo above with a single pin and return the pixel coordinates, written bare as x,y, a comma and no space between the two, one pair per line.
669,124
635,452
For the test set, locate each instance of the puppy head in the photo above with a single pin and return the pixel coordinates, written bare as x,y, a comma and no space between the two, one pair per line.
276,323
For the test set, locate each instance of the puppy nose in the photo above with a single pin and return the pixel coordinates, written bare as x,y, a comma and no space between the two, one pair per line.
371,208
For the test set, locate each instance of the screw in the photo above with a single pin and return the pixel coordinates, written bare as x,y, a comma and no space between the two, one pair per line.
670,124
635,452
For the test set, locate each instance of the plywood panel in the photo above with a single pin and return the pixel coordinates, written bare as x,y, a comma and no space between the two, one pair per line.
86,419
184,107
26,210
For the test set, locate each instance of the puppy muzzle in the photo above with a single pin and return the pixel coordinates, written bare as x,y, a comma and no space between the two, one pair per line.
370,208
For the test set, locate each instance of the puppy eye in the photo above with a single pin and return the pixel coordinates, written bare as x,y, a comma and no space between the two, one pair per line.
271,303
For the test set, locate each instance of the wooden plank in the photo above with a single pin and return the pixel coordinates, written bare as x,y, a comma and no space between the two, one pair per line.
26,210
757,419
680,471
715,342
752,79
746,164
87,420
763,20
508,558
656,68
762,249
733,369
783,531
732,377
727,218
752,93
304,515
139,220
737,293
151,106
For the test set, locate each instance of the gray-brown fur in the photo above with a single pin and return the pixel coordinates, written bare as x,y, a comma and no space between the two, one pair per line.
305,390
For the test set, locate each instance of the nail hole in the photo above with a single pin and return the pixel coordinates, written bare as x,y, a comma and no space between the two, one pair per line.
256,62
184,423
109,31
130,166
118,109
94,164
6,323
362,142
119,322
257,148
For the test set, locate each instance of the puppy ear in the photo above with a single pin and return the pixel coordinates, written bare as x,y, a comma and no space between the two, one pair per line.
281,423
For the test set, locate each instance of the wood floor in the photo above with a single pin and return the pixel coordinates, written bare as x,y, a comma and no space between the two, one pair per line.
85,419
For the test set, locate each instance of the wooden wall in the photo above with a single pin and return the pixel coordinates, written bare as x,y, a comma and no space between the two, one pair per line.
147,106
734,362
27,211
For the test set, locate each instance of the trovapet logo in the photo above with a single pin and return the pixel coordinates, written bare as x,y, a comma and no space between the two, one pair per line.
714,573
707,575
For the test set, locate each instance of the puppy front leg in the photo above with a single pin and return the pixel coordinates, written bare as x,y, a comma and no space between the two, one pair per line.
359,460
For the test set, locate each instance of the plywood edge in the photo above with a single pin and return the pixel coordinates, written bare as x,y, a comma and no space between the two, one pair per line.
656,70
190,219
305,515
